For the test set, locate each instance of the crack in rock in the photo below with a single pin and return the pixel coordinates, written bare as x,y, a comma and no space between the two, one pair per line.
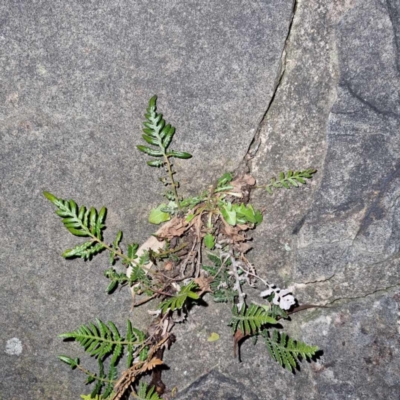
381,290
302,284
256,141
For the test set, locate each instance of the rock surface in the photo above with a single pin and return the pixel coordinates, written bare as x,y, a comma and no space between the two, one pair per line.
75,81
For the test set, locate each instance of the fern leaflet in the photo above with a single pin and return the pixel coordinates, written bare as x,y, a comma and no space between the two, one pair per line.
222,285
177,302
144,393
286,351
290,179
158,134
102,340
251,319
81,222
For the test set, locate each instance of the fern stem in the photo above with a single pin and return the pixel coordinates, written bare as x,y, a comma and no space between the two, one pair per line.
118,253
114,342
171,177
94,376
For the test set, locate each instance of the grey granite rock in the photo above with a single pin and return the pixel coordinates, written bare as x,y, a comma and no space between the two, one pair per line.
217,386
355,213
359,360
343,86
75,80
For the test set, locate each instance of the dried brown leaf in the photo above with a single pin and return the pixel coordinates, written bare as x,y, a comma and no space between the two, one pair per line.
129,376
243,247
237,338
233,232
148,366
176,227
203,283
242,182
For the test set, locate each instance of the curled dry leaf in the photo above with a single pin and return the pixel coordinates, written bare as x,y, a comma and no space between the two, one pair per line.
130,375
203,283
237,338
243,247
174,228
234,232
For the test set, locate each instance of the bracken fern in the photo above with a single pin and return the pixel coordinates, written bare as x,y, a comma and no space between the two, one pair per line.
168,267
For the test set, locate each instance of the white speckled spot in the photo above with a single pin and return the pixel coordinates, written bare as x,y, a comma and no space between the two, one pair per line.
287,247
14,347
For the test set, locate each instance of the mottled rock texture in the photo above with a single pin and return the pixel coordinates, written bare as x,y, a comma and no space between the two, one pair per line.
321,92
76,77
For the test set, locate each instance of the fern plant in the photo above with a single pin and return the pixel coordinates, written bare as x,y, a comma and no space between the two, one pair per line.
285,350
167,267
104,341
159,134
178,301
250,319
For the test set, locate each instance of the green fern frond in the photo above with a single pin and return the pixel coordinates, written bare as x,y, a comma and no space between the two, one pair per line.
116,242
159,134
285,350
144,393
112,377
251,319
81,222
100,380
274,310
178,301
222,284
134,337
290,179
102,340
115,278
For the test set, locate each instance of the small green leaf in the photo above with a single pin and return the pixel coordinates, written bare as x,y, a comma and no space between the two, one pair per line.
93,218
213,337
300,179
153,101
149,139
77,232
293,182
50,197
157,216
169,133
247,212
228,213
149,151
285,184
209,241
72,362
155,163
132,249
77,250
179,154
225,178
102,215
258,217
179,300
